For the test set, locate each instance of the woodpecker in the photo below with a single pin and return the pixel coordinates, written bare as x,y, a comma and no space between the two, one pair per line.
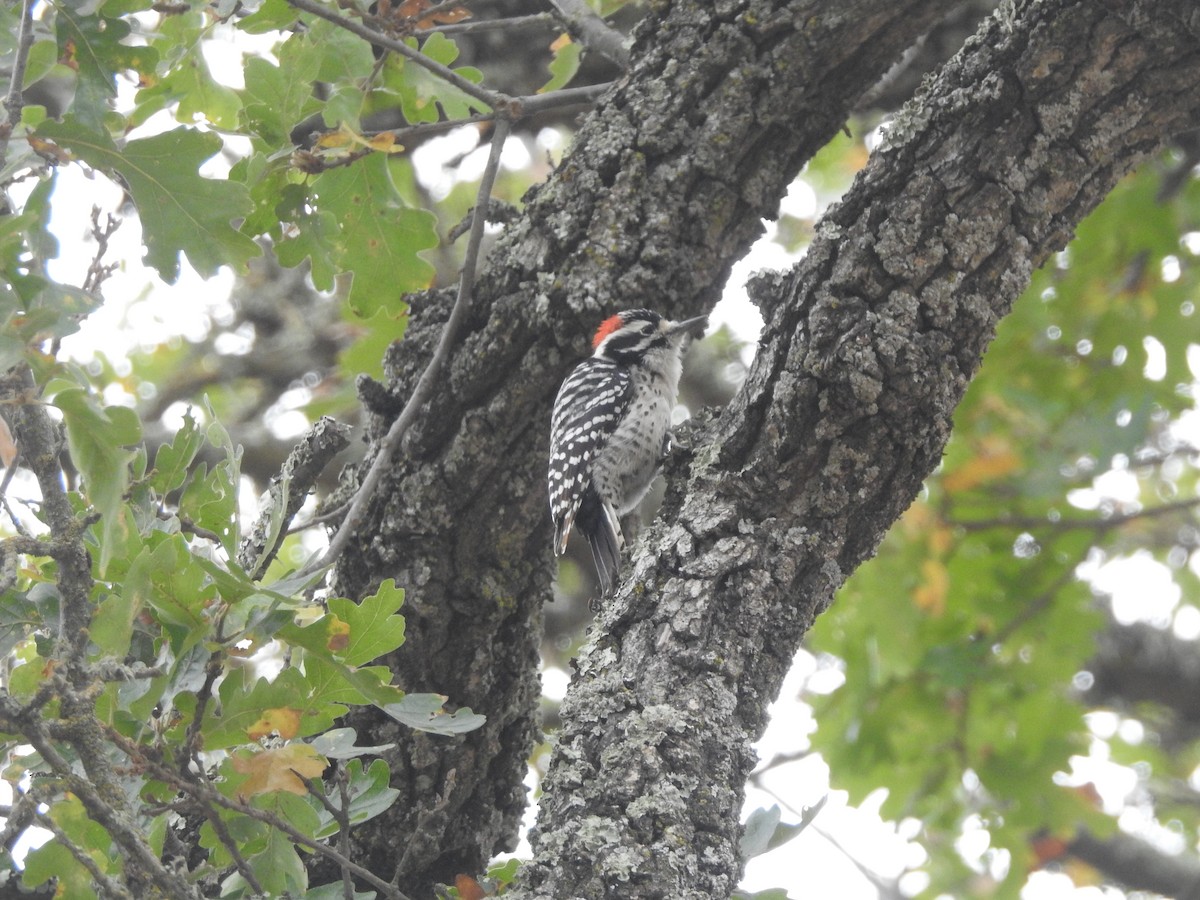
609,431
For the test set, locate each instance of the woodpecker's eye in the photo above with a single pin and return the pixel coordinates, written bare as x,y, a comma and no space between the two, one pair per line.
648,329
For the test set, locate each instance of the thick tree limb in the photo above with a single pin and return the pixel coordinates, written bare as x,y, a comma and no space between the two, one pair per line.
1140,663
663,191
1134,863
869,345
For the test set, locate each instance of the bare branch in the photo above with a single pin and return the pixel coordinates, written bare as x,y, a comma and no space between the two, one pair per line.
592,31
474,26
1099,525
98,271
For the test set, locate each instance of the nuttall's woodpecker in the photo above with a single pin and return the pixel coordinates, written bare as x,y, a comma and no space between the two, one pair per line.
609,432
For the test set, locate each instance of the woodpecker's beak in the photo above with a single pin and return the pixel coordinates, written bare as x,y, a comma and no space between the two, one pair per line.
696,326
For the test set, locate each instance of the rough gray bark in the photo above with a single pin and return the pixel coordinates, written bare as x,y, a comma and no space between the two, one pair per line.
869,345
663,191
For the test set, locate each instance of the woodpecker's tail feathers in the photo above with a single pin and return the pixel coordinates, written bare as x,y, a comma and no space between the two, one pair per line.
562,531
599,524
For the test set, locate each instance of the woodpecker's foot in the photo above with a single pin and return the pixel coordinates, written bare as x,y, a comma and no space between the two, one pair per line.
668,445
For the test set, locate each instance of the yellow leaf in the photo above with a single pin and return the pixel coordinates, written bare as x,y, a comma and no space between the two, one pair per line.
385,142
280,769
343,137
930,595
339,634
941,539
283,720
994,459
561,41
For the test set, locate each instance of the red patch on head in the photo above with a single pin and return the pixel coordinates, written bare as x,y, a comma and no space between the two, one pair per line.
607,327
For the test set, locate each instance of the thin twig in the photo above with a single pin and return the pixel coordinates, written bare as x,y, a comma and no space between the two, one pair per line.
15,99
98,272
230,845
340,814
474,26
492,99
425,385
1030,523
336,513
582,97
343,782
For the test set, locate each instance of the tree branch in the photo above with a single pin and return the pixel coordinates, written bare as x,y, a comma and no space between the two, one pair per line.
869,345
592,31
1137,865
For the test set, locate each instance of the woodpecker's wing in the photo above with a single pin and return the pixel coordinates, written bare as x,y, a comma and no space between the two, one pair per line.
590,403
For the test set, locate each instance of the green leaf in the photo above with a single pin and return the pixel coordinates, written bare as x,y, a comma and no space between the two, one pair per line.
338,743
98,438
187,84
378,237
175,587
563,65
375,629
365,356
34,308
18,616
43,56
504,873
173,461
758,830
278,867
313,234
89,836
424,712
271,15
181,211
277,98
94,47
112,624
53,860
424,96
248,706
210,500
